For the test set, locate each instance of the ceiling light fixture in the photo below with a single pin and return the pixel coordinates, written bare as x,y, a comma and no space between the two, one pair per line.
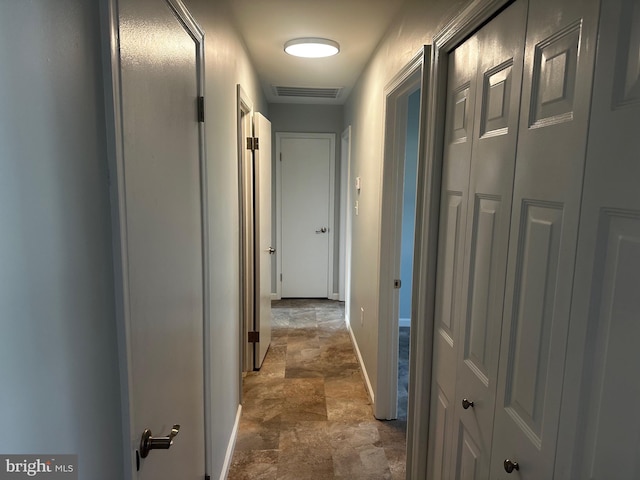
311,47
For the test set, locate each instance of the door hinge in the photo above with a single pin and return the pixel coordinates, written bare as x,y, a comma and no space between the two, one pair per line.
252,143
254,337
397,283
201,109
280,277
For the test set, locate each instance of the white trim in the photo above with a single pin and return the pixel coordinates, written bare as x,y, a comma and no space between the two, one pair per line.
397,93
231,446
404,322
244,110
274,296
365,375
334,296
331,224
346,210
427,224
115,154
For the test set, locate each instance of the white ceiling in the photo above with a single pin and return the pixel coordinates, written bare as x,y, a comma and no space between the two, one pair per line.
357,25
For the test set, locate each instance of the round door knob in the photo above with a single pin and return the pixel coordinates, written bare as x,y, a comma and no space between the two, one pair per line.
466,403
510,466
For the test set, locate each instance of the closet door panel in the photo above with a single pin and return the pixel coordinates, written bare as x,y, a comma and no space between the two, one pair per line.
600,424
500,62
455,184
551,150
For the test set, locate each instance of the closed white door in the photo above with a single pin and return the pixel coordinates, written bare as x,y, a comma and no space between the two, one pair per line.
306,214
263,244
552,140
493,156
163,226
598,409
461,102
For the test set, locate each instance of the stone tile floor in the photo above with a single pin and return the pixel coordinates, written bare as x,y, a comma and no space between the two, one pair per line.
306,414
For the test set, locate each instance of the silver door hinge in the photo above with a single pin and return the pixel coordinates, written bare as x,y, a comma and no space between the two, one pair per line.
254,337
252,143
397,283
201,109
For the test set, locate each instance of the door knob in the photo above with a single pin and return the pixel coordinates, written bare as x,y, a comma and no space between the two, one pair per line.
322,230
271,250
510,466
466,403
148,442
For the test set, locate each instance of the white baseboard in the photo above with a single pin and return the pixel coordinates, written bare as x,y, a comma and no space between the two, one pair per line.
275,296
364,370
231,447
334,296
404,322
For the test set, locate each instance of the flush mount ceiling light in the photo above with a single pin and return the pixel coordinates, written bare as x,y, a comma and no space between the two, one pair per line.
311,47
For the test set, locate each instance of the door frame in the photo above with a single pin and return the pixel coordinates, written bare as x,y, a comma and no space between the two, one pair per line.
332,230
397,93
471,19
115,153
246,235
344,287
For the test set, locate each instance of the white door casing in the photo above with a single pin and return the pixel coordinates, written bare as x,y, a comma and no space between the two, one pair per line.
397,93
306,172
246,225
262,229
161,217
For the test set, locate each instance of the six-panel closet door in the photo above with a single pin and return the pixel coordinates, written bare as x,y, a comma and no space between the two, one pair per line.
514,153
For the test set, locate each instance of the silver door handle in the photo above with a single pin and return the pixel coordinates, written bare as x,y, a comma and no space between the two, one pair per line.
148,442
322,230
271,250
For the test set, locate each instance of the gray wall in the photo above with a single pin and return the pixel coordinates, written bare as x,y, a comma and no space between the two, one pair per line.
415,26
59,381
309,119
226,65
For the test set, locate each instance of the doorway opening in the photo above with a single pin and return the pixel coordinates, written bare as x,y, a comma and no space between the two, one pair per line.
398,219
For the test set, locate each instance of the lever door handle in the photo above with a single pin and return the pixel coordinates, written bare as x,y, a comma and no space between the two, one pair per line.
148,442
322,230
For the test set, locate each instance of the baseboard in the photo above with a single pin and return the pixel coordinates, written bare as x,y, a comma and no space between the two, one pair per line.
404,322
275,296
364,370
231,447
334,296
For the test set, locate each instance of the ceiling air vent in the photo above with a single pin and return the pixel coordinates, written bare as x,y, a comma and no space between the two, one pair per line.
306,92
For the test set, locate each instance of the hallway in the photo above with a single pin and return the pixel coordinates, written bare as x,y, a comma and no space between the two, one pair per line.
306,414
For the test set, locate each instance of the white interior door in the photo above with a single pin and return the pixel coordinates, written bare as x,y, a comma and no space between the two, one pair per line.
164,235
605,324
461,103
264,249
547,192
306,214
499,75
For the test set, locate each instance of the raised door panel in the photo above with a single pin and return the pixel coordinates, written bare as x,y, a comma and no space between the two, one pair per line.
598,436
551,150
453,211
500,60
